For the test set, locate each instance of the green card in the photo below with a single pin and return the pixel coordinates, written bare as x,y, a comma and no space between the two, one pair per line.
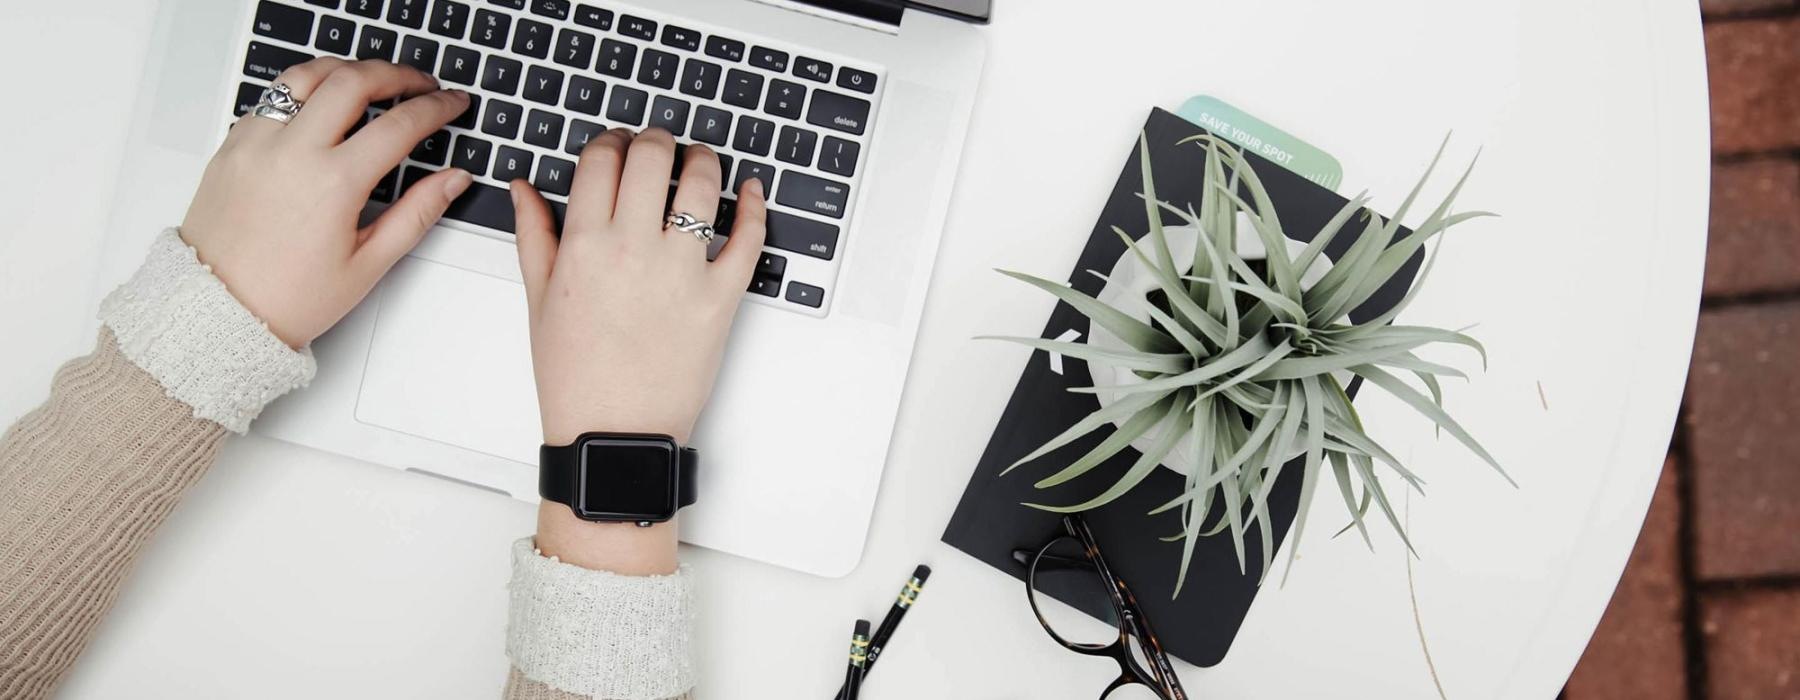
1256,136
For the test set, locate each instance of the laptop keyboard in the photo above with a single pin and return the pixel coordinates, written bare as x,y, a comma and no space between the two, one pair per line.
545,76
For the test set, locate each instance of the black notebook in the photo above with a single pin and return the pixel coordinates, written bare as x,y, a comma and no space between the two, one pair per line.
990,523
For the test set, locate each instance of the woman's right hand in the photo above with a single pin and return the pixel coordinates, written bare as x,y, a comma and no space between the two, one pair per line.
628,319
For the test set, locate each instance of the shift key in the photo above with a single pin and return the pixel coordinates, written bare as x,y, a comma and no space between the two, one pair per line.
814,194
801,235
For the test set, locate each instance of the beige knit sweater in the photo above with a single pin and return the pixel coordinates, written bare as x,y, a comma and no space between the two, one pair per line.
88,477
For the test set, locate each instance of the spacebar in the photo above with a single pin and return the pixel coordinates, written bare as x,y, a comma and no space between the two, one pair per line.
483,205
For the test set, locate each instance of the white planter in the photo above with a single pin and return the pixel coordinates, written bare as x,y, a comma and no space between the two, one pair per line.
1128,284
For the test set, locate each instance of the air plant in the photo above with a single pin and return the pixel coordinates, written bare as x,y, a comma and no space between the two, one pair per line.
1250,364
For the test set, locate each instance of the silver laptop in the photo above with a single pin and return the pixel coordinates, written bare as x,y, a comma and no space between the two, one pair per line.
852,112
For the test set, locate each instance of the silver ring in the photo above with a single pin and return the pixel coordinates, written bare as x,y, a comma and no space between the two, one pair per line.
277,102
688,223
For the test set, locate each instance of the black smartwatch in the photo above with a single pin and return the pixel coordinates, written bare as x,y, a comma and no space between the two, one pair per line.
619,477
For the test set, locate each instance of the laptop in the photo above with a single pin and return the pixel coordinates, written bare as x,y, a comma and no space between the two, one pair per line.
852,112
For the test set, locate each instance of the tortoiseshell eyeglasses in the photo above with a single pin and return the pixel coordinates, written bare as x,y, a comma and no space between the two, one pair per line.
1070,567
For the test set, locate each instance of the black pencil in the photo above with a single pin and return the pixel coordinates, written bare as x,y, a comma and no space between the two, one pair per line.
909,594
859,656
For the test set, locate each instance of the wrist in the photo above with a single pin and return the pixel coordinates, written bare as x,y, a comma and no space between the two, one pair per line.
562,430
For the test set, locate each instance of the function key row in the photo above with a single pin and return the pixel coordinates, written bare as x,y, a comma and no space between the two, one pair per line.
449,18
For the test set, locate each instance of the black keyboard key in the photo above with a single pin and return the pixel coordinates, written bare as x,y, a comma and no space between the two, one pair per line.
771,265
406,13
616,58
815,194
388,187
376,44
670,114
724,170
574,48
327,4
580,133
754,135
289,24
491,29
554,175
711,125
725,49
658,69
637,27
543,129
248,94
481,204
769,59
471,154
801,235
449,18
751,169
555,9
336,34
785,99
812,69
838,157
700,78
743,89
366,8
765,286
435,149
460,65
627,105
835,111
514,4
585,95
466,120
501,74
680,38
420,53
853,79
543,85
532,38
590,16
805,294
511,164
502,119
795,145
266,61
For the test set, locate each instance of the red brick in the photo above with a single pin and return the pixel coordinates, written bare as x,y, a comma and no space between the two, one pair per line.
1637,652
1752,644
1743,424
1754,240
1754,70
1726,8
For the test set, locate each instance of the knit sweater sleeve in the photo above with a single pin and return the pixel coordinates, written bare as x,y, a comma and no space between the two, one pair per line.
84,480
88,477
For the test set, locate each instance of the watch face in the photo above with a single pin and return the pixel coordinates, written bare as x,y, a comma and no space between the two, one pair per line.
627,479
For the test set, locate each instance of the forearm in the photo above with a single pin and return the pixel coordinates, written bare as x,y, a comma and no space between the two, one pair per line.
85,480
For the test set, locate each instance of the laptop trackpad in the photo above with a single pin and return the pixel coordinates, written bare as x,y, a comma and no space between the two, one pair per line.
451,361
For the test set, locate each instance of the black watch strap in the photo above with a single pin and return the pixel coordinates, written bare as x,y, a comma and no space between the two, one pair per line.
559,472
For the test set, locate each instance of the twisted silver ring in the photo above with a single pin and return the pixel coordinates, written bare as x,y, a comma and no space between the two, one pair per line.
277,102
688,223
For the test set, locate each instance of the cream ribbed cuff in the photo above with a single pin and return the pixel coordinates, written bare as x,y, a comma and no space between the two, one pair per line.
597,633
177,321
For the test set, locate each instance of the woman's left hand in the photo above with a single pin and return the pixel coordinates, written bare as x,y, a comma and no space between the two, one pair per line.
277,211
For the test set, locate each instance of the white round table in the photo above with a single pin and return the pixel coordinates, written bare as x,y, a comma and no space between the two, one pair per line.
309,575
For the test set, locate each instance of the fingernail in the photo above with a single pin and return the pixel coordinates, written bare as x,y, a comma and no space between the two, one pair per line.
456,184
755,186
463,94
